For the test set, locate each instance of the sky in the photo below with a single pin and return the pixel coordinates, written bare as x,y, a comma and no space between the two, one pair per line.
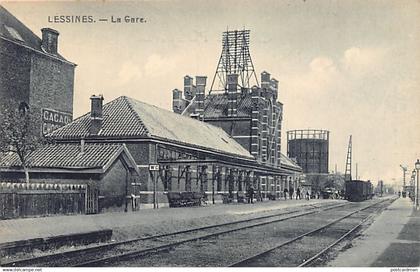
351,67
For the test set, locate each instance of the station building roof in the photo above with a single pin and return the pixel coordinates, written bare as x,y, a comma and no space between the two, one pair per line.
126,117
286,162
71,156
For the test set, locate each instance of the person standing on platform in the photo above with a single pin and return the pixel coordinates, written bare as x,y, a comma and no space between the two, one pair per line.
298,193
291,191
285,193
251,194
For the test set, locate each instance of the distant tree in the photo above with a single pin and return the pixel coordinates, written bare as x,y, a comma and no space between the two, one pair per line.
18,134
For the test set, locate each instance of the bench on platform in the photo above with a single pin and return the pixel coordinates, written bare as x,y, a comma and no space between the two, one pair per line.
186,199
271,196
227,198
241,197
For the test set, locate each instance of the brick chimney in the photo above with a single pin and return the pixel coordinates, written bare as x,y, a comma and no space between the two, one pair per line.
50,40
200,94
266,84
177,101
275,88
189,88
96,115
265,80
232,83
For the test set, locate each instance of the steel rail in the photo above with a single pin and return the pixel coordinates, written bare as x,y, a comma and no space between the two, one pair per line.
71,253
310,260
259,255
143,252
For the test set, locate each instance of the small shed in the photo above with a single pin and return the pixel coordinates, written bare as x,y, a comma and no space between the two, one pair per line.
108,171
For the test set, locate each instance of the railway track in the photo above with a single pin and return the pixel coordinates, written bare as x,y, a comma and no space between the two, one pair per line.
111,252
273,256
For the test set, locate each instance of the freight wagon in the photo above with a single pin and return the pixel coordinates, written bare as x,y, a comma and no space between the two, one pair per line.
358,190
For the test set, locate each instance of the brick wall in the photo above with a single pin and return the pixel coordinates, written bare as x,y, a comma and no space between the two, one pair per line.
240,130
51,85
113,187
15,66
38,80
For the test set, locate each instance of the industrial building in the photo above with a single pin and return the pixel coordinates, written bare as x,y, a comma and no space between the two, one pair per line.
250,115
309,147
34,75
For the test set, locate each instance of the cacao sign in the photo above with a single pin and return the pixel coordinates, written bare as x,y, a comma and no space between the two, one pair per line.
53,119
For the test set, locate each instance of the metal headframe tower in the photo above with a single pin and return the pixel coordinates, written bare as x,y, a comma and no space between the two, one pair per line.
347,173
235,59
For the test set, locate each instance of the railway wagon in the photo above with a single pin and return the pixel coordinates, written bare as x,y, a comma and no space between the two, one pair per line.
358,190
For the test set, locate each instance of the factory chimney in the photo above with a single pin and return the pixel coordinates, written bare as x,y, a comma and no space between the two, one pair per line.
232,82
265,84
50,40
177,101
189,88
275,88
200,94
96,115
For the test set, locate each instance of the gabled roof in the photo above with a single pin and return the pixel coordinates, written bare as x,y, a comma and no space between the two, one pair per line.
69,156
287,162
13,29
125,117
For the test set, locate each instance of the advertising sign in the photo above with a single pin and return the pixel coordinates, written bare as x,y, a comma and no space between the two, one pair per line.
53,119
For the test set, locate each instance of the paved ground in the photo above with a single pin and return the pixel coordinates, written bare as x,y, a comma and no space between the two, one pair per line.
393,240
144,220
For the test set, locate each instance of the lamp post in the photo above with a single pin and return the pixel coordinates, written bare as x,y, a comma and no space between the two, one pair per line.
412,183
404,168
417,165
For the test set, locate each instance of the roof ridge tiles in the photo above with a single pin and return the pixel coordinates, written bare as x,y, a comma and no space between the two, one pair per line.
67,155
130,106
126,118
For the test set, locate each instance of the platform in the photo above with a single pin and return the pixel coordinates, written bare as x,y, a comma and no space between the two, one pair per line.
393,240
143,222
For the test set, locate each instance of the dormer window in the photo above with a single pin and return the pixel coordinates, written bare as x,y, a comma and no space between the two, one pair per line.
13,32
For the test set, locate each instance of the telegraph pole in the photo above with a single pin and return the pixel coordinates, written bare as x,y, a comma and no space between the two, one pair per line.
404,168
357,177
347,173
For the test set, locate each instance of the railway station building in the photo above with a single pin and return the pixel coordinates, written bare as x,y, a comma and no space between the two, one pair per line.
190,155
131,155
